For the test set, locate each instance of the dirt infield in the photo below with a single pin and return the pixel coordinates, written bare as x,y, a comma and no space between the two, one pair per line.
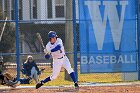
134,88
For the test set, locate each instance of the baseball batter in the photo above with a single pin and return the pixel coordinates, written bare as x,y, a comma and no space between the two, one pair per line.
55,48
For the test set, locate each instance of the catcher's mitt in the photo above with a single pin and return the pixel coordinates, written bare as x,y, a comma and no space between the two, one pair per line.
8,76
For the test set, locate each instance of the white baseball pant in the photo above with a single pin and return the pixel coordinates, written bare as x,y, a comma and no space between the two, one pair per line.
58,63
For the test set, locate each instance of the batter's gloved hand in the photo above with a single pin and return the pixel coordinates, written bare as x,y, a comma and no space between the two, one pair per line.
47,56
46,51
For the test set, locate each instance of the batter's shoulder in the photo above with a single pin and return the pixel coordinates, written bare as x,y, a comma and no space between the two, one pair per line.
59,39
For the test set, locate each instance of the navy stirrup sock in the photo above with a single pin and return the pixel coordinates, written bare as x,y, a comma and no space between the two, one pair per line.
72,75
46,80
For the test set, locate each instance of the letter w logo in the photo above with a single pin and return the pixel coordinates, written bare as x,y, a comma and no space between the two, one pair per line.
111,14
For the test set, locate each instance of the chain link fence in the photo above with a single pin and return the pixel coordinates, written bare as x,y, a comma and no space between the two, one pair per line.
42,16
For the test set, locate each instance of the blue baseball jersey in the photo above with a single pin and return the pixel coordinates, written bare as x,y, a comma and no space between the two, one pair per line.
58,53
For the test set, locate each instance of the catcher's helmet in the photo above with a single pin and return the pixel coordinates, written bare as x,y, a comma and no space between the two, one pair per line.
52,34
1,58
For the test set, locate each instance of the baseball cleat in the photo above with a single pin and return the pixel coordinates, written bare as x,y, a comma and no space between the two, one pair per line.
38,85
76,85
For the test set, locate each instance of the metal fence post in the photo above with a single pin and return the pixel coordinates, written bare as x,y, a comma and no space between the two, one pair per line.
138,36
74,39
69,35
17,40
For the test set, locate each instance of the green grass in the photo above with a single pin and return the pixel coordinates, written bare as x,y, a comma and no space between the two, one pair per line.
82,78
94,77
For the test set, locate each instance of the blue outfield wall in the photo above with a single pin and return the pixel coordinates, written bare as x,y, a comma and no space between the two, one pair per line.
108,35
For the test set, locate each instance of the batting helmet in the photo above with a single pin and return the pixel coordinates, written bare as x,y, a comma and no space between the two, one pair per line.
52,34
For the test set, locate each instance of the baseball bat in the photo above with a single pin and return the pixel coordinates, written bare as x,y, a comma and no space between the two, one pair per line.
3,29
40,40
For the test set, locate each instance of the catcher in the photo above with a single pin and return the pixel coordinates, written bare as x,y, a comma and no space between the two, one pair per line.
2,67
7,80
